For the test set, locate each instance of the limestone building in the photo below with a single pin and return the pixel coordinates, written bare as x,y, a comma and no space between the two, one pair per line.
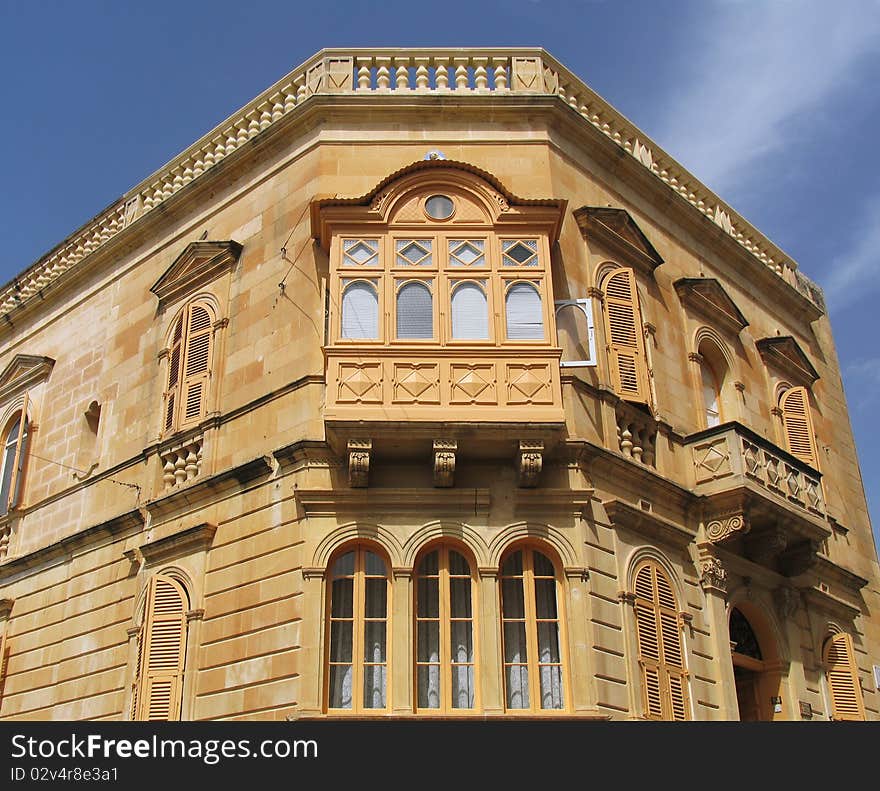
427,384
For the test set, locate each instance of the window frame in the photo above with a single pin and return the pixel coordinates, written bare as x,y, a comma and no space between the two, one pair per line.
532,662
377,283
358,618
398,284
445,627
17,470
586,306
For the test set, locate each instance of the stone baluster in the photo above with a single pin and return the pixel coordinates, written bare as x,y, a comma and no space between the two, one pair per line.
637,447
441,74
626,442
481,78
383,74
500,65
461,74
422,74
364,77
401,73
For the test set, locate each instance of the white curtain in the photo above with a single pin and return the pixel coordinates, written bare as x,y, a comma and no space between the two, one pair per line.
524,321
470,313
360,311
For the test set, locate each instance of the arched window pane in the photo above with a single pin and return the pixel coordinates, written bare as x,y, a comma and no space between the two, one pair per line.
470,312
360,311
444,632
710,396
573,330
415,311
524,319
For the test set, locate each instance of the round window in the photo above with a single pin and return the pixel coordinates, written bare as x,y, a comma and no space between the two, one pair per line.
439,207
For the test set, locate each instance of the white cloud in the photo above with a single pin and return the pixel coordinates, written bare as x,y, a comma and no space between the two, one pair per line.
857,271
755,67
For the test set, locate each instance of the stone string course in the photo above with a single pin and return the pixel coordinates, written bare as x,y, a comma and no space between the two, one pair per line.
500,71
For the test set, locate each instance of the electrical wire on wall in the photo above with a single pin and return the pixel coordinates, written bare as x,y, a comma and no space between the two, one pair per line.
86,473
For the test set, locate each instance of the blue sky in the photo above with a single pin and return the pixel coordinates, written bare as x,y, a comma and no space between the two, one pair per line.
774,105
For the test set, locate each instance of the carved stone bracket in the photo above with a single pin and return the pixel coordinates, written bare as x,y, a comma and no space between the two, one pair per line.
713,576
359,462
787,601
763,547
444,462
722,528
530,460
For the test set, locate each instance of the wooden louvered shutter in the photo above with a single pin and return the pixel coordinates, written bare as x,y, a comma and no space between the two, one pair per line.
661,659
798,425
197,362
163,652
175,358
840,667
623,334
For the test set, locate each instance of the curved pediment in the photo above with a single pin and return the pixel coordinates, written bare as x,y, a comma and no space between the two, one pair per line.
478,199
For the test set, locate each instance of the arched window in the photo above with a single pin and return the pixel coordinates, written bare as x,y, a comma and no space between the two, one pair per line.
444,612
623,335
661,659
15,447
533,666
189,367
843,679
797,424
470,312
415,311
357,658
524,313
360,311
158,686
574,328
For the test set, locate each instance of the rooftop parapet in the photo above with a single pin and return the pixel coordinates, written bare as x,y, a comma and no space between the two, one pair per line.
458,72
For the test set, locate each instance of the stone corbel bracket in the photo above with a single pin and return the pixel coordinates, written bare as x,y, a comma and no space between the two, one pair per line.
359,451
713,575
722,528
444,462
529,462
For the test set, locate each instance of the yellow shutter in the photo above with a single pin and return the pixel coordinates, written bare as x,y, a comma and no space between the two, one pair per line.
164,650
661,657
197,361
843,680
174,360
3,657
798,425
623,334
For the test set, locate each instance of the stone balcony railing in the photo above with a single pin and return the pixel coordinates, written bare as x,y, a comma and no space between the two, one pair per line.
731,456
442,72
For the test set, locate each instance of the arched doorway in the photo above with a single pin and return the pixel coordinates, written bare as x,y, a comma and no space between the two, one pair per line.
757,670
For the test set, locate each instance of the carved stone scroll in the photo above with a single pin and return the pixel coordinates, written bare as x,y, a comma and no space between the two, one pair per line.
712,574
722,528
359,462
530,460
444,462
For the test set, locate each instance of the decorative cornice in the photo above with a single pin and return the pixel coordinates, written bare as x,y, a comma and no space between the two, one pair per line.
61,550
784,353
705,295
619,232
517,72
328,502
631,517
179,544
22,373
198,264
